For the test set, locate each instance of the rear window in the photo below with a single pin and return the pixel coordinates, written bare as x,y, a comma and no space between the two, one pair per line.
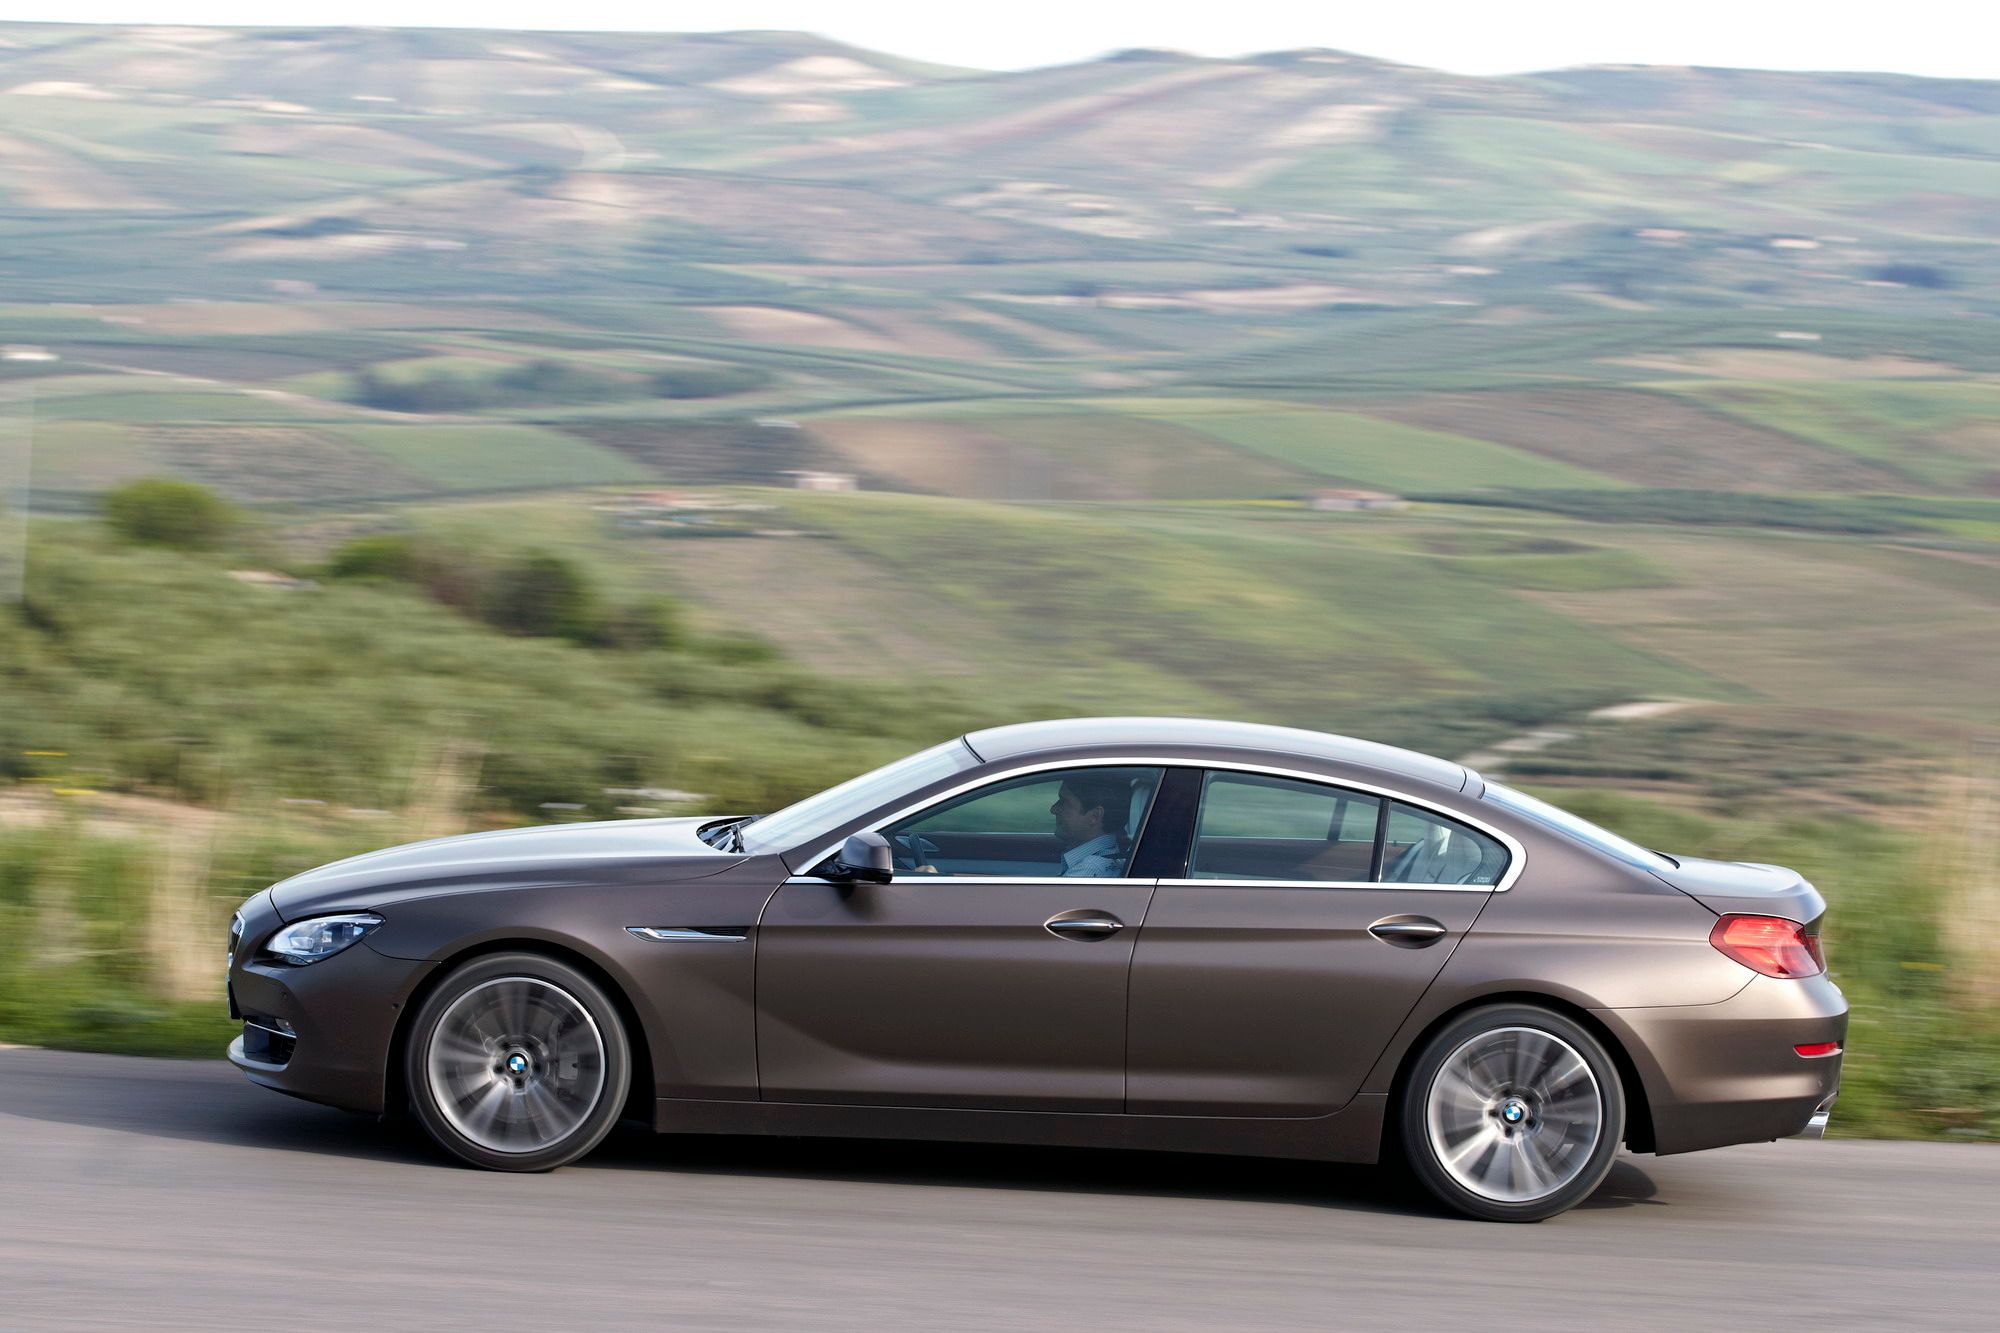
1575,826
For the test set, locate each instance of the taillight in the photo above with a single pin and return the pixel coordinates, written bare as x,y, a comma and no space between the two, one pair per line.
1814,1049
1769,945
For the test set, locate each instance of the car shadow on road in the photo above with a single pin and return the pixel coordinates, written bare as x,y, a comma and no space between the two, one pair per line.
199,1101
1376,1189
209,1103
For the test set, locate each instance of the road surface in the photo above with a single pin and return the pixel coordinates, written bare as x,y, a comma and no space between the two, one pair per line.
161,1194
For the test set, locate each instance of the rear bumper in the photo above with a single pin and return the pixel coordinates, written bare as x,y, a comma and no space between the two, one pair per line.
1816,1126
1716,1074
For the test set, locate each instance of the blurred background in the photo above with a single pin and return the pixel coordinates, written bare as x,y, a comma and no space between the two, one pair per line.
412,431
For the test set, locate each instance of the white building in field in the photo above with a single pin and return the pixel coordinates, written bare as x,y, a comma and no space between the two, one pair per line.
1340,500
806,479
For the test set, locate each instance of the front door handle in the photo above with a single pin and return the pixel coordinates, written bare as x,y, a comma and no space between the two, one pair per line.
1408,932
1083,923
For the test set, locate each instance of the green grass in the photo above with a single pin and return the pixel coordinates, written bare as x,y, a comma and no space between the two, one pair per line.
1365,451
1923,428
1665,504
493,457
88,455
141,407
1289,617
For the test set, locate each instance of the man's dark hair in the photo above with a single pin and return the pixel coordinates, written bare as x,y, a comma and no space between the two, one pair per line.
1106,790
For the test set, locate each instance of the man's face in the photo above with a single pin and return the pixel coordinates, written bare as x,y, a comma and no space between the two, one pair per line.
1075,825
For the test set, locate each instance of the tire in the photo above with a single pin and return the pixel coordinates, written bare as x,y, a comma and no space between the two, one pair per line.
517,1062
1512,1113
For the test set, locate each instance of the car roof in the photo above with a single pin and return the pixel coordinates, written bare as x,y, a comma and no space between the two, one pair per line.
1143,733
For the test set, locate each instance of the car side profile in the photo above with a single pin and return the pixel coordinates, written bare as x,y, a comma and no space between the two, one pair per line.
1118,932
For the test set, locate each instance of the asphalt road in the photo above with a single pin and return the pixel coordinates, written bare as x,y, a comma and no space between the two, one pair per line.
160,1194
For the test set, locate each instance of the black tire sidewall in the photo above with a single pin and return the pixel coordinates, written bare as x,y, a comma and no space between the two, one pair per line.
588,993
1420,1157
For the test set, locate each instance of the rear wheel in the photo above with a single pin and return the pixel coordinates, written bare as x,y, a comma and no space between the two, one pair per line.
518,1063
1513,1113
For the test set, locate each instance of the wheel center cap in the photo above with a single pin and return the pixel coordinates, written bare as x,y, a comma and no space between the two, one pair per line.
517,1063
1513,1112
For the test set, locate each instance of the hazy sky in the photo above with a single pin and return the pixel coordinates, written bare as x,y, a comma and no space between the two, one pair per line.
1958,38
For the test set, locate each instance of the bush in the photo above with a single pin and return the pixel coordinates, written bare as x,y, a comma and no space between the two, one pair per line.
442,392
544,596
541,381
653,623
163,511
707,381
391,556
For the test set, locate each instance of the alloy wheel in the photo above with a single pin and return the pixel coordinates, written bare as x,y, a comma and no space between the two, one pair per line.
1514,1114
516,1064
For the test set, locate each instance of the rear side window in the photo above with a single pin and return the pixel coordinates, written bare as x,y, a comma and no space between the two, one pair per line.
1420,847
1253,827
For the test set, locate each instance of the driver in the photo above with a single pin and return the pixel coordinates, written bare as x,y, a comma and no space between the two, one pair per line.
1090,821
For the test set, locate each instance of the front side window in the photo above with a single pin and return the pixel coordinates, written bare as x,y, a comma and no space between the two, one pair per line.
1254,827
1077,823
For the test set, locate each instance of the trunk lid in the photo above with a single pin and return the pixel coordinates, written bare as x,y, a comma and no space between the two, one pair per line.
1746,886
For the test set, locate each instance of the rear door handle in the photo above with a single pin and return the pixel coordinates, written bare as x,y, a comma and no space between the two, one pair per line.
1083,923
1408,932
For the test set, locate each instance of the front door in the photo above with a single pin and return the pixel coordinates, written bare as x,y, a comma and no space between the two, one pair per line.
990,973
1310,921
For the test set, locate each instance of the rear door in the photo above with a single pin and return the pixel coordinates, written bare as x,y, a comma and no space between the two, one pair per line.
1308,921
990,973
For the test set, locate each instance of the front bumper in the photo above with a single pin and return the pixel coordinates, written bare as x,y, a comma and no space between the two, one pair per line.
1716,1074
322,1032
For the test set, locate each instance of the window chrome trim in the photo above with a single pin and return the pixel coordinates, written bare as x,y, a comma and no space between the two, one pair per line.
912,877
668,934
1517,855
1225,883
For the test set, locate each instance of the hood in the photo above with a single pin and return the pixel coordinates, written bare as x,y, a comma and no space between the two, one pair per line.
1746,886
552,856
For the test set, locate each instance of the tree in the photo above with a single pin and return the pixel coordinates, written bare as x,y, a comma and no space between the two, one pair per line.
163,511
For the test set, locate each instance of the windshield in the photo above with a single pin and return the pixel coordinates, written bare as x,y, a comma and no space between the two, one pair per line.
1576,826
821,814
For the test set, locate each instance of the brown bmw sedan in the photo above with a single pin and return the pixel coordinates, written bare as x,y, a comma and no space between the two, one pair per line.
1119,932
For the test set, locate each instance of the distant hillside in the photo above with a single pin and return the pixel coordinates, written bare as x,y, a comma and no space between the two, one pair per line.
136,158
344,264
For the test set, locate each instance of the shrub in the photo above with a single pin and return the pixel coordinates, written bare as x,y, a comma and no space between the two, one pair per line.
389,556
707,381
653,623
542,595
164,511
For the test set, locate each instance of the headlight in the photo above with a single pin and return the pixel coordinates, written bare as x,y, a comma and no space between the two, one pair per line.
322,937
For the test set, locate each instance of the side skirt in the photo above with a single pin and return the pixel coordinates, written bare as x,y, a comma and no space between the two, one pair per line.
1352,1134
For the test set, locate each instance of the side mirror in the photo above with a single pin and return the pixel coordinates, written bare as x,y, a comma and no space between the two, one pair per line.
865,858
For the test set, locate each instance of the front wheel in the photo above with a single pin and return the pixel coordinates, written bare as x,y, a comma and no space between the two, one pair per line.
518,1063
1513,1113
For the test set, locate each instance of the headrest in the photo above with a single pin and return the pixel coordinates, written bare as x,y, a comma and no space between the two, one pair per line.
1142,792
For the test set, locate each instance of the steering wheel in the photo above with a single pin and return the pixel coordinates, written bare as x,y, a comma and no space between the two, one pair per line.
911,850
